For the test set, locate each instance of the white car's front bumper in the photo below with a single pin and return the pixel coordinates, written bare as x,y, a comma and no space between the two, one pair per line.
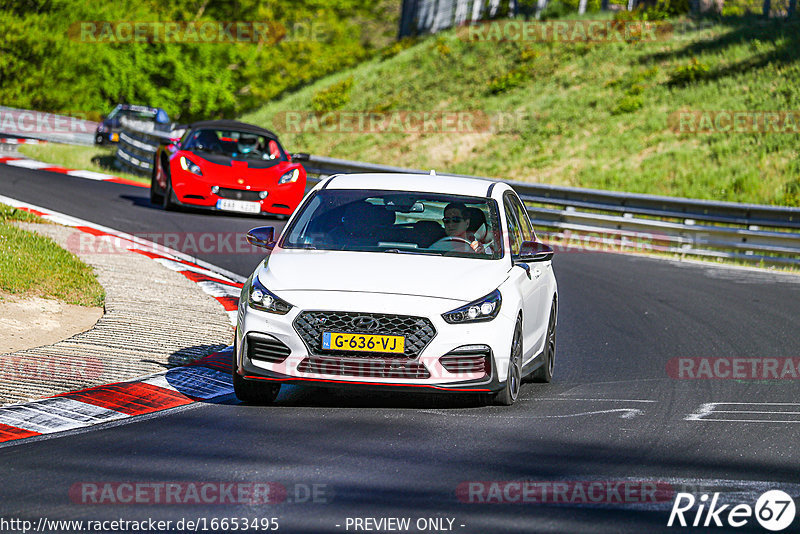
263,339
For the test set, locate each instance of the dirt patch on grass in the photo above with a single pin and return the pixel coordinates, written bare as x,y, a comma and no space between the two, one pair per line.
453,149
27,322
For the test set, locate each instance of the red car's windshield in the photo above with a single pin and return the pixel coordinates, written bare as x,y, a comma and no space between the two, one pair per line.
234,144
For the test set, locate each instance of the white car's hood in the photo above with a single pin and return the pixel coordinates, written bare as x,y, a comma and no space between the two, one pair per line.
375,272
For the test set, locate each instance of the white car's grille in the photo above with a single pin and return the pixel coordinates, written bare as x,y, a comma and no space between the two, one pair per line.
418,331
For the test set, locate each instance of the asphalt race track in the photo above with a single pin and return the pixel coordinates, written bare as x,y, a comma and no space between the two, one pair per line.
612,415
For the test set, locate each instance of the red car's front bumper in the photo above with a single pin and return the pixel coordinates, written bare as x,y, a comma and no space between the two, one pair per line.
237,184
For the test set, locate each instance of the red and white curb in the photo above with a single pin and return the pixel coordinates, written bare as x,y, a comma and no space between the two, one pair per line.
223,285
15,141
203,381
28,163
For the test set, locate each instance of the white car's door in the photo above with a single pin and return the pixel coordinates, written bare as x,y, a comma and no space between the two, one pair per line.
529,279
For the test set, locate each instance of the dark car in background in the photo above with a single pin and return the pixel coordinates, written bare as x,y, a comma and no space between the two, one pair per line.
109,128
228,166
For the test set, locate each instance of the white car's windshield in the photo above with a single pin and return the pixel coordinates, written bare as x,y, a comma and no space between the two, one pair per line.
398,222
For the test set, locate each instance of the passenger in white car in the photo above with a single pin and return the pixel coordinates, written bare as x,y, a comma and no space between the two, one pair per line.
457,222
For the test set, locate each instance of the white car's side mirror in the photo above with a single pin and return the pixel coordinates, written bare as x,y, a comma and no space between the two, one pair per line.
263,236
534,251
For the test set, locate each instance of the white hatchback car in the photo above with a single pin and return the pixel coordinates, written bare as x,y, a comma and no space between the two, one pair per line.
401,281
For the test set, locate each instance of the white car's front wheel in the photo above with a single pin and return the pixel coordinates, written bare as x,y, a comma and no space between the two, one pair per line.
251,391
510,391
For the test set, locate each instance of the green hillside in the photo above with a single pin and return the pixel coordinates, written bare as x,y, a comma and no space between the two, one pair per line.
586,114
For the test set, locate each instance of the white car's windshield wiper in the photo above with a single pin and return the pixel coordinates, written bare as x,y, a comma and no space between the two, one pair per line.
400,251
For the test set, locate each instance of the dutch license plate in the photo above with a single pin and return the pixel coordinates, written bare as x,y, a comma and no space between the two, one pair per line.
363,342
242,206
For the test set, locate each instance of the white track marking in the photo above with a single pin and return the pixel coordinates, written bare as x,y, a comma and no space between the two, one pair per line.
29,164
626,413
592,400
90,175
706,410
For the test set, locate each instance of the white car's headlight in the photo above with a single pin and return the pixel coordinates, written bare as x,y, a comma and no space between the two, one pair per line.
189,165
290,177
262,299
483,309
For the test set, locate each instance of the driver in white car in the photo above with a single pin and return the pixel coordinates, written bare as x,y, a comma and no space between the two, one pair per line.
456,225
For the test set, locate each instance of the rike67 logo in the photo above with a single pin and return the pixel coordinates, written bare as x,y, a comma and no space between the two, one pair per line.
774,510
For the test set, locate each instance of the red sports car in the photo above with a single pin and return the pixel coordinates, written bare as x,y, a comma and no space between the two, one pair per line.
229,166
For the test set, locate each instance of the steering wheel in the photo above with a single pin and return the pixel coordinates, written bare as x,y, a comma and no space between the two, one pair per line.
454,238
214,146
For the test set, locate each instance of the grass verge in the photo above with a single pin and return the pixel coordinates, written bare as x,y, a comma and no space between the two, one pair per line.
34,265
87,158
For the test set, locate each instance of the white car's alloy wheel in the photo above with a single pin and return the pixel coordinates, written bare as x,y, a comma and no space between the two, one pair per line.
510,391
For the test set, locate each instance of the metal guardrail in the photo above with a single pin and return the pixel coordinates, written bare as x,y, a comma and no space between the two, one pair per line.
586,218
138,142
591,218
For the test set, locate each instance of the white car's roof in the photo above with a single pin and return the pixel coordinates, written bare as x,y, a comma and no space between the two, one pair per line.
424,183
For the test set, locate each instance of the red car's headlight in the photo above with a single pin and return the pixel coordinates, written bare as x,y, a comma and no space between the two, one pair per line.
290,177
189,165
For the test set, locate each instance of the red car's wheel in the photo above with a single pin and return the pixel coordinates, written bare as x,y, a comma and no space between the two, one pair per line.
156,195
167,201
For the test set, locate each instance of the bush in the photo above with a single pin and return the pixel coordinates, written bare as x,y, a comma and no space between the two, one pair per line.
660,10
688,73
628,104
333,97
634,81
513,78
441,47
556,10
397,47
47,64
